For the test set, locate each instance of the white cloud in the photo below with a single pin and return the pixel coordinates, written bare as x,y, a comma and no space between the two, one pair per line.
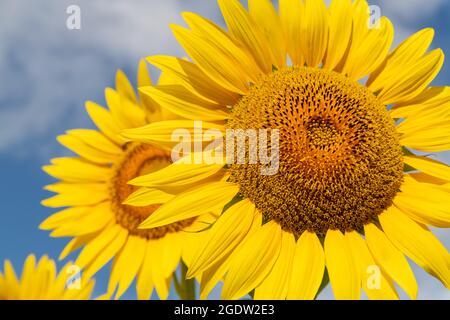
410,10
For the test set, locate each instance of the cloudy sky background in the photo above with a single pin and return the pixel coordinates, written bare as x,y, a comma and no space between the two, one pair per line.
47,72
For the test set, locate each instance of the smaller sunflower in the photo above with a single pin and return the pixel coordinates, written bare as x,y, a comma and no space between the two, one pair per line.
40,281
94,188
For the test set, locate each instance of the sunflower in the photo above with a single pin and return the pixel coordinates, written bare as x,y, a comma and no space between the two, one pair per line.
352,197
94,186
40,281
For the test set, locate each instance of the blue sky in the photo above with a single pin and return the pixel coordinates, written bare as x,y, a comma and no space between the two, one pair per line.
48,71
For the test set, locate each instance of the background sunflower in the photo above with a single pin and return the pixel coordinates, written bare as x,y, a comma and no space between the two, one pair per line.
93,189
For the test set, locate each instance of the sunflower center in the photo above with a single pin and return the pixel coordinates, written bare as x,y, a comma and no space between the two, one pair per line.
139,159
340,159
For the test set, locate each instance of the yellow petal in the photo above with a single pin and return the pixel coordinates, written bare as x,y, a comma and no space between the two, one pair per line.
127,264
92,220
190,243
192,203
170,255
63,217
223,41
146,196
10,275
147,103
45,273
86,151
371,53
415,111
253,262
97,245
28,270
247,32
433,99
314,36
72,188
202,222
340,19
291,17
96,140
77,170
178,100
76,194
226,233
214,274
217,61
193,78
178,174
361,16
307,268
125,112
436,141
159,279
391,259
424,202
425,178
275,285
144,79
424,122
360,30
433,96
75,244
344,274
162,132
418,243
374,281
144,283
429,166
61,279
107,253
264,14
428,130
124,86
104,121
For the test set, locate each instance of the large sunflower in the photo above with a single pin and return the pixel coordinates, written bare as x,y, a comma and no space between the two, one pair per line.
350,197
94,186
40,281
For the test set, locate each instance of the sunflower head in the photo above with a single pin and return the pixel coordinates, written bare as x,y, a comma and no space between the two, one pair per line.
94,190
40,281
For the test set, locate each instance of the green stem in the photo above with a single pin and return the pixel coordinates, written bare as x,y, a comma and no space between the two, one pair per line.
185,287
